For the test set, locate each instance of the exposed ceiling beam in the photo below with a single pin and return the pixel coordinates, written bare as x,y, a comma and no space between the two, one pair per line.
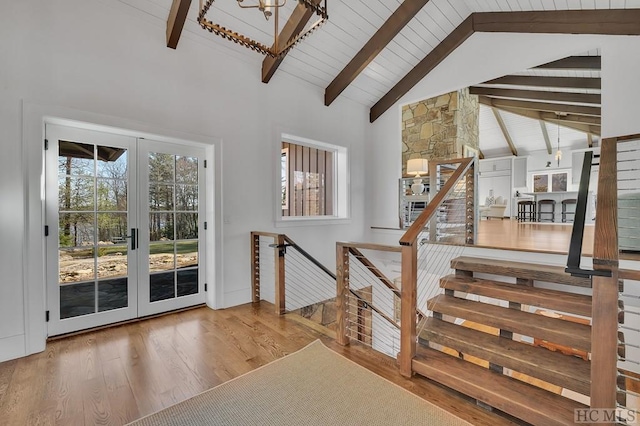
604,22
480,154
544,106
545,134
541,95
537,115
590,140
424,67
176,20
505,131
599,21
574,63
560,82
396,22
296,23
571,118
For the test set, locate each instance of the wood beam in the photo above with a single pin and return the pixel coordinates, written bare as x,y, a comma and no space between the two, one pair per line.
599,21
544,106
543,95
296,23
537,115
396,22
590,140
424,67
602,21
505,131
545,134
571,118
560,82
574,63
176,20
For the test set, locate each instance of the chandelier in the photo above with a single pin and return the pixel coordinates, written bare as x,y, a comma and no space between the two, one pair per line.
268,8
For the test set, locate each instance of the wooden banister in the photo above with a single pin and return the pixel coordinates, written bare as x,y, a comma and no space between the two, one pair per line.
604,330
416,228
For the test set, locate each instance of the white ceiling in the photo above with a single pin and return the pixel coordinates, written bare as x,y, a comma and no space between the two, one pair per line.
320,57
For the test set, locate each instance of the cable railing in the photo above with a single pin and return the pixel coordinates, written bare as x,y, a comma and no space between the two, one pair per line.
436,237
628,208
304,287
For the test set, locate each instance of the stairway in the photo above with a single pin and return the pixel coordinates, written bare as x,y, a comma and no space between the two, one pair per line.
487,348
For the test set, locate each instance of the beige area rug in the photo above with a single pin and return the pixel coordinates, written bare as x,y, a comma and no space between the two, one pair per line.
313,386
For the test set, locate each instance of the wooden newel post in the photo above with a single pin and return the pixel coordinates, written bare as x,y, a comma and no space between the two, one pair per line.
279,259
408,307
604,314
255,267
469,207
342,290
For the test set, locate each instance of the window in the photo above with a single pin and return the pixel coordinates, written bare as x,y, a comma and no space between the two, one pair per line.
550,181
313,180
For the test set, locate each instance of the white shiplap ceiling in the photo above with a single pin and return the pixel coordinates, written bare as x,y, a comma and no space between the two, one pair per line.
320,57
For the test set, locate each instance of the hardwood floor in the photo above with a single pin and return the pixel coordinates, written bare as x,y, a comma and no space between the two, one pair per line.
116,375
531,236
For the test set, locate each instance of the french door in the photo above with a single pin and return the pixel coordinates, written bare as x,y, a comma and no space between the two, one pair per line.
125,220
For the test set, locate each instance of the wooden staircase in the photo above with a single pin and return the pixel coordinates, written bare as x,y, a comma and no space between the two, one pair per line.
486,338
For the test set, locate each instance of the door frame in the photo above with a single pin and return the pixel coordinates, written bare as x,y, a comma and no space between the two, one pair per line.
34,118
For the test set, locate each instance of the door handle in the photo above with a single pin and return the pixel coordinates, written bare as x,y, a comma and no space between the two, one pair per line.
134,238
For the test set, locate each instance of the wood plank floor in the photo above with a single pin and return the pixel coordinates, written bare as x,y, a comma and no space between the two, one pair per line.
116,375
531,236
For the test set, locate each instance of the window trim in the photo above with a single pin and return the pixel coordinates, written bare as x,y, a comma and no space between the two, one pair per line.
341,205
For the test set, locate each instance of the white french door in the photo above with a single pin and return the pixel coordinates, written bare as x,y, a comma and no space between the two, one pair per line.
125,221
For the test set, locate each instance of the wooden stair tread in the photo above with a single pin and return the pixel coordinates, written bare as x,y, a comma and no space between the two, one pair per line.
549,273
551,299
521,400
567,333
565,371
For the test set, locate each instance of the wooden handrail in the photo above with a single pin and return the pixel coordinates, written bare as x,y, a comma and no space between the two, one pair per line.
410,237
265,234
372,246
605,244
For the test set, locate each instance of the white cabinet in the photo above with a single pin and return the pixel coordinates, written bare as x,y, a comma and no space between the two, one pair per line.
577,157
519,172
500,165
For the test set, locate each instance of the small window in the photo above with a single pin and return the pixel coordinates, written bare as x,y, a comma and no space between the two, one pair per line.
312,180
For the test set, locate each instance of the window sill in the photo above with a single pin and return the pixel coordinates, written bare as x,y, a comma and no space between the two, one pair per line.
311,221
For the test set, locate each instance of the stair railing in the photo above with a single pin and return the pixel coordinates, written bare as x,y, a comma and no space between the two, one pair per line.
448,219
606,347
305,286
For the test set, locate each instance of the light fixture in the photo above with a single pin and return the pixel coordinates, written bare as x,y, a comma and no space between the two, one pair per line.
268,8
558,152
419,166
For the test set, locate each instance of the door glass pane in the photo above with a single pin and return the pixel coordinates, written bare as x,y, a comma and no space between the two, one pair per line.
160,197
77,299
76,193
187,170
187,282
92,219
76,264
187,197
112,294
187,253
161,168
160,226
161,256
186,226
162,286
112,195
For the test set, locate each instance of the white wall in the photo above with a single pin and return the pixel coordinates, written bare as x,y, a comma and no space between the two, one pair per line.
105,59
485,56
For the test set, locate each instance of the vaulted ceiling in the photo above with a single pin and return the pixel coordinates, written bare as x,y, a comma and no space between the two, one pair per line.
375,51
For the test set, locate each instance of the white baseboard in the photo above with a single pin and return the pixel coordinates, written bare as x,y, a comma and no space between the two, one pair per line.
12,347
237,297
